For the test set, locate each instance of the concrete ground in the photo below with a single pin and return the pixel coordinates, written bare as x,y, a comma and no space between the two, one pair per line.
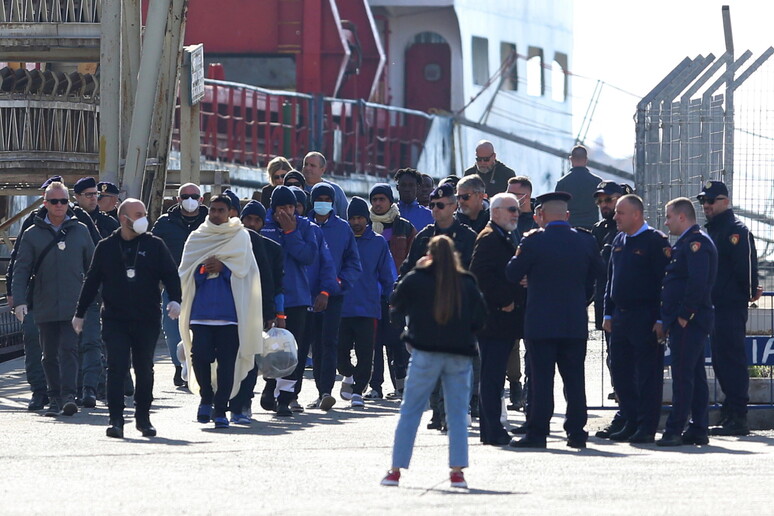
331,463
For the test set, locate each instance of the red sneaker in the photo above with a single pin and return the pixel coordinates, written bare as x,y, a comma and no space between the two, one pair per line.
458,479
392,478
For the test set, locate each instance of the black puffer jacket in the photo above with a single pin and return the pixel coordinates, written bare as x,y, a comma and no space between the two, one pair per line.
174,229
414,296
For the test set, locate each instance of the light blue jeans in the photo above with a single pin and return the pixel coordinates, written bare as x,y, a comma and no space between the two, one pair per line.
425,368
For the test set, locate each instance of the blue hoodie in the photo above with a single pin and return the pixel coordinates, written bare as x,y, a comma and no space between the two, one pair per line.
346,258
376,281
301,249
322,273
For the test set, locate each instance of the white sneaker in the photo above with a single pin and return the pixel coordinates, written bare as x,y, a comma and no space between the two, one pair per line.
295,406
346,388
357,401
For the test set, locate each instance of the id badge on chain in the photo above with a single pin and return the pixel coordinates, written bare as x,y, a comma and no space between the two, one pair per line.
130,273
61,246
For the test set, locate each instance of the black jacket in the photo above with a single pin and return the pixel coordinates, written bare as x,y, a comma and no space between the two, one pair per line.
258,244
604,232
496,181
414,297
464,240
491,254
737,278
174,229
476,225
130,299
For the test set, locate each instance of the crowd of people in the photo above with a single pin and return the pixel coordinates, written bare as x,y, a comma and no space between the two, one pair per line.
448,281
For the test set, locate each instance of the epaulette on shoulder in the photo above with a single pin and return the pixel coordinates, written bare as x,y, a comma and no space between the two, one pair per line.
585,230
532,232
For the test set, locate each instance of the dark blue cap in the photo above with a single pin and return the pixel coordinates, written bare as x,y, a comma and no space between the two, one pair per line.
52,179
106,187
444,190
84,183
295,175
323,189
713,189
282,196
358,207
608,188
384,189
553,196
254,208
235,204
627,189
301,196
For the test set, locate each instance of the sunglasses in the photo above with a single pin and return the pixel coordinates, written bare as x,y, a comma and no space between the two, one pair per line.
707,200
194,196
89,194
512,209
440,205
484,158
604,200
279,176
54,202
465,197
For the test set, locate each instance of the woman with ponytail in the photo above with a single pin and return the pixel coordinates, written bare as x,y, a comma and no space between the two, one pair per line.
442,309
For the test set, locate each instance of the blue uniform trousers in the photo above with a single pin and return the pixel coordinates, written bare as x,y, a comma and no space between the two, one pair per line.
494,361
637,367
729,358
568,355
690,394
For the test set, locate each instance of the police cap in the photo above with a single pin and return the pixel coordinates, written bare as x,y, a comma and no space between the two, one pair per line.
608,188
713,189
84,183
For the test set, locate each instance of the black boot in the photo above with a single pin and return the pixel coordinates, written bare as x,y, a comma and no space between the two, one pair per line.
178,379
143,424
38,402
116,429
735,424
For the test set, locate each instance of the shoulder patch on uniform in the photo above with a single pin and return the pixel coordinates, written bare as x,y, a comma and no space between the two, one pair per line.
695,246
667,252
585,230
532,232
734,239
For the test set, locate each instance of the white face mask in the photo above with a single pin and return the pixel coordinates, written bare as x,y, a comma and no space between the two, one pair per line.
190,205
140,225
322,207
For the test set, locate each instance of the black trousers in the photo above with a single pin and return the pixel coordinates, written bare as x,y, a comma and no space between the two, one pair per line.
494,362
729,358
358,332
211,343
567,355
125,341
60,358
388,339
295,324
637,367
690,393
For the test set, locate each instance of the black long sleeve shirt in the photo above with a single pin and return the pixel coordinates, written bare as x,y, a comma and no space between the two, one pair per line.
130,299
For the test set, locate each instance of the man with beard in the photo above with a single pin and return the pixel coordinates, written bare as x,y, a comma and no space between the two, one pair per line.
493,173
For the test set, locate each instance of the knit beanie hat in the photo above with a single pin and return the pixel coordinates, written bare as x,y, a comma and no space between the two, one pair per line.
282,196
254,208
323,189
358,206
382,188
235,204
297,176
301,196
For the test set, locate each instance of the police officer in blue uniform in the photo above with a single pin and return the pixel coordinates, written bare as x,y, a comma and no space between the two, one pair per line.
735,286
86,196
687,318
561,264
638,256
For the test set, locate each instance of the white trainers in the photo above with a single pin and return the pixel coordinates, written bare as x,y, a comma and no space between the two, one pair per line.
346,388
357,401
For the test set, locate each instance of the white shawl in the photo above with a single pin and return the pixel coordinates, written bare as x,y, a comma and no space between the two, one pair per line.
229,243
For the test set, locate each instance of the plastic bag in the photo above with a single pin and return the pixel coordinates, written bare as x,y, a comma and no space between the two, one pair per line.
183,361
280,356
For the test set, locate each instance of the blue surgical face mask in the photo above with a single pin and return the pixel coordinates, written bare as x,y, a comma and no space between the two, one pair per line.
322,208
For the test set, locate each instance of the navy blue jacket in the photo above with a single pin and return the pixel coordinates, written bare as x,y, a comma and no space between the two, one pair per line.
561,264
604,232
690,275
300,248
635,271
376,281
174,229
322,273
214,300
464,241
737,278
346,259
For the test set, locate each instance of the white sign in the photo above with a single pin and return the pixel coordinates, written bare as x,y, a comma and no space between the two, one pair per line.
195,60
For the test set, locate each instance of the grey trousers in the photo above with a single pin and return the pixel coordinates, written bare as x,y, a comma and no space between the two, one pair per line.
60,358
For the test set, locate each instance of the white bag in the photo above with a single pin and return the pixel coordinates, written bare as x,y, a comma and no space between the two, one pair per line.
181,358
280,354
